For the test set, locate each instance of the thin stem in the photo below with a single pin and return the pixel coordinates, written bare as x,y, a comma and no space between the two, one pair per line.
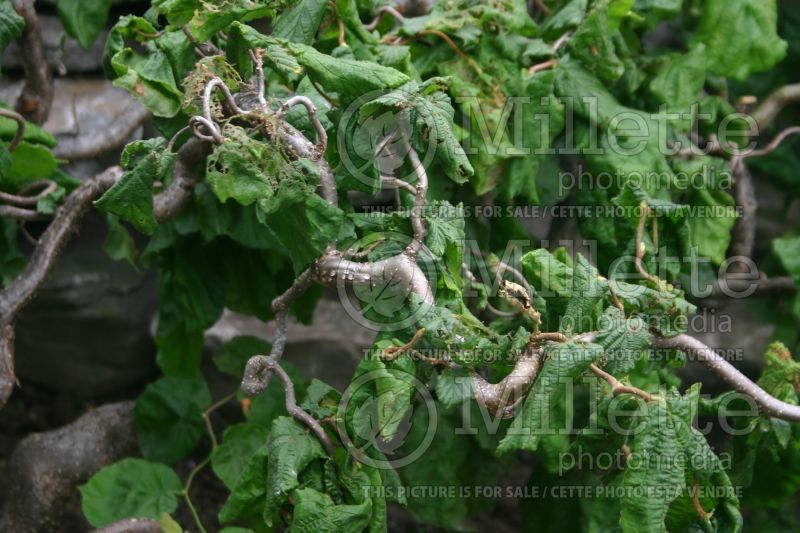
22,199
769,108
617,387
389,10
779,138
202,464
538,67
640,246
322,136
20,133
698,507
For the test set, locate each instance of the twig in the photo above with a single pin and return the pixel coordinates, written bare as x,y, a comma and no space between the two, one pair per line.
37,95
48,187
420,196
561,41
502,398
334,270
20,133
255,57
779,138
698,507
202,464
389,10
640,246
259,369
446,38
20,213
770,405
727,287
202,49
17,293
769,108
393,352
322,136
542,6
743,236
542,66
617,387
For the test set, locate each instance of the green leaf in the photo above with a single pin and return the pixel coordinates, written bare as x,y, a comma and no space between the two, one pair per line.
131,197
300,23
348,78
711,232
130,488
207,22
232,356
431,116
290,449
83,19
149,78
454,387
119,243
592,44
245,169
538,134
787,248
246,500
452,459
315,512
239,444
29,162
543,413
296,211
680,80
740,36
321,399
652,484
177,12
33,133
446,226
169,418
11,24
624,340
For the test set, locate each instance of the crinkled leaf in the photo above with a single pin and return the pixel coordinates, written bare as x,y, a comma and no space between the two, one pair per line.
300,23
239,444
11,24
542,412
131,198
290,449
740,36
315,512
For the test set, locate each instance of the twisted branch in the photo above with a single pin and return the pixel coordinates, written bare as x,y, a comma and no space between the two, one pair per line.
52,242
170,202
256,375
